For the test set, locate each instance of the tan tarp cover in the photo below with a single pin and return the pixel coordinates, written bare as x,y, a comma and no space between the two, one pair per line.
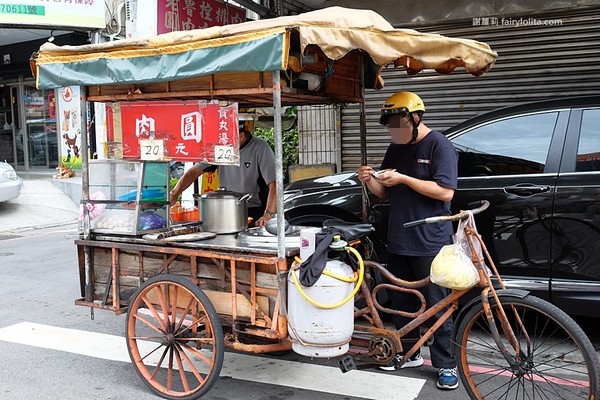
335,30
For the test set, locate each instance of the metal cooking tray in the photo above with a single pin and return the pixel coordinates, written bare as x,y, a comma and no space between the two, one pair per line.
259,236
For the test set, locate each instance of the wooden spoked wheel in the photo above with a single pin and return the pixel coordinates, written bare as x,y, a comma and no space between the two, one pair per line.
174,337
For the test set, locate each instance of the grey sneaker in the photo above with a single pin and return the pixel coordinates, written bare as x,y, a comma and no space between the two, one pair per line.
413,362
391,366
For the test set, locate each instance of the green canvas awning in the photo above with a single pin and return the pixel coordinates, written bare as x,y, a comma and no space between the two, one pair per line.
105,65
263,45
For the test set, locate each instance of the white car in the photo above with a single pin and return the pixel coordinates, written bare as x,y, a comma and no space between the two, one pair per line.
10,183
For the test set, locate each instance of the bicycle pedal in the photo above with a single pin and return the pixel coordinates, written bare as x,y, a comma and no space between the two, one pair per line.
429,341
347,363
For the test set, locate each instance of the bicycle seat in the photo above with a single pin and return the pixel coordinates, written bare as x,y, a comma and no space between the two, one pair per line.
350,230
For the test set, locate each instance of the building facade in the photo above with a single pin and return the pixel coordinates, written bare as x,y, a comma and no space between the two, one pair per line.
546,49
30,118
542,53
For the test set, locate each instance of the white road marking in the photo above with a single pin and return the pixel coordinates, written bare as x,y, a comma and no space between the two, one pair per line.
365,384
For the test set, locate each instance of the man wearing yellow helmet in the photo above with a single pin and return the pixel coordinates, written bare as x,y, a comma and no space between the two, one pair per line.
399,106
419,175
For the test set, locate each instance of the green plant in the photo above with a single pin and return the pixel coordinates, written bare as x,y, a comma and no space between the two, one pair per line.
290,141
172,182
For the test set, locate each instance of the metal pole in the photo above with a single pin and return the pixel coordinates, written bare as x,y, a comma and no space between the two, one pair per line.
363,139
278,163
85,195
363,134
85,188
85,184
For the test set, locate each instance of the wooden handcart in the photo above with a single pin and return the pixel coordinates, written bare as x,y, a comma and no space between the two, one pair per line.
181,297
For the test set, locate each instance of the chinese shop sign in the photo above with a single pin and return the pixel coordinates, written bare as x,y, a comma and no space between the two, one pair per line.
185,15
180,130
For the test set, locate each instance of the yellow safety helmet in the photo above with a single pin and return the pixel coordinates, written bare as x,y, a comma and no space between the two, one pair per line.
401,103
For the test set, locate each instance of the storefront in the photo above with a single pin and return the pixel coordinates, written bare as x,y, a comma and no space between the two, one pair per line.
29,138
40,129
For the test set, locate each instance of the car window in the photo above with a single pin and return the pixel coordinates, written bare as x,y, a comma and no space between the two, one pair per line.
588,151
517,145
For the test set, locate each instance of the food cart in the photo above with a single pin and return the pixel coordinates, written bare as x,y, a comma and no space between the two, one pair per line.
181,296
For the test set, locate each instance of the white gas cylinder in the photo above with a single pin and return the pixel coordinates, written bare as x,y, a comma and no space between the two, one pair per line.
320,332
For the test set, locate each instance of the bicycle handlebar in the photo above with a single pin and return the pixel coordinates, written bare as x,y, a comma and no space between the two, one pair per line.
455,217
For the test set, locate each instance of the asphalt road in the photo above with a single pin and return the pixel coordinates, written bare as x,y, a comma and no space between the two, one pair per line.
42,332
53,349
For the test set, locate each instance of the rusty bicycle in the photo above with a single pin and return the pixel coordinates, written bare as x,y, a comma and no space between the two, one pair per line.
507,343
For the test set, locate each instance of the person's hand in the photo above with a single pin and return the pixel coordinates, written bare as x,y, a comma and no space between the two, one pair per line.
389,178
365,174
173,198
262,220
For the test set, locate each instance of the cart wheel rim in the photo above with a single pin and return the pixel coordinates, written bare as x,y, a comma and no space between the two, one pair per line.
174,338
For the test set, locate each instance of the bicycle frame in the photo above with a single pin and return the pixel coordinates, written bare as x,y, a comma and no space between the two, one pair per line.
371,313
450,303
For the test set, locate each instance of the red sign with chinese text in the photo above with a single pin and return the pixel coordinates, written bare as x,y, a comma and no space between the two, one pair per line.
185,15
188,130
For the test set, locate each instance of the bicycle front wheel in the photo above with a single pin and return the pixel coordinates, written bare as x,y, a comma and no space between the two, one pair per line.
556,359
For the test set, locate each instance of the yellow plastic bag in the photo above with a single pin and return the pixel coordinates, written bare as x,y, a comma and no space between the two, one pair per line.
453,269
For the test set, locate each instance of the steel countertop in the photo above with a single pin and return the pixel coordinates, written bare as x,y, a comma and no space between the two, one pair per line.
222,242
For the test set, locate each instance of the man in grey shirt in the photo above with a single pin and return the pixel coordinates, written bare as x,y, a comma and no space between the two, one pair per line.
256,161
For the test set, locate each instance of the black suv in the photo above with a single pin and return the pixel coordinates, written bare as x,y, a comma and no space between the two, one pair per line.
539,166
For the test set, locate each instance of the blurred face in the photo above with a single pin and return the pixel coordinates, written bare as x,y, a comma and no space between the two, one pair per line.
243,138
400,128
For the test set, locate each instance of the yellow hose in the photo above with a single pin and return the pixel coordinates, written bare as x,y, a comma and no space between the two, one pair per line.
361,275
354,278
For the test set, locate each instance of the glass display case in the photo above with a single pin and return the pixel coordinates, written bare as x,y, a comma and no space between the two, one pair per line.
128,197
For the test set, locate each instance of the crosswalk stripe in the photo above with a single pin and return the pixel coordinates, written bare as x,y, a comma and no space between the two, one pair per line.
365,384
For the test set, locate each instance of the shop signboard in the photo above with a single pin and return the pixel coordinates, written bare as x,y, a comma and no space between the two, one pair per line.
176,130
185,15
59,13
69,125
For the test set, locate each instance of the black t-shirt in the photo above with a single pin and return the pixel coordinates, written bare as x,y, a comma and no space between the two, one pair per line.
433,158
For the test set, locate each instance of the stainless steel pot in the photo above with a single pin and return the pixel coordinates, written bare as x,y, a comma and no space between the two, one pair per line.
224,211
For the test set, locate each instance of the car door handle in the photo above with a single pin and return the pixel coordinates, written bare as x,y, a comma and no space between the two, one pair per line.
525,189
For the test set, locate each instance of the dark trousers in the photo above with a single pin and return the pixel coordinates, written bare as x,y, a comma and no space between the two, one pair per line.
413,269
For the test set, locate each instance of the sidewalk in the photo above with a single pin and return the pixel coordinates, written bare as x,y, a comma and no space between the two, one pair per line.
44,203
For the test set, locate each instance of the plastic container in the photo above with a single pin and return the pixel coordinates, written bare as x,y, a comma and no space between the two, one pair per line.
191,214
179,213
308,241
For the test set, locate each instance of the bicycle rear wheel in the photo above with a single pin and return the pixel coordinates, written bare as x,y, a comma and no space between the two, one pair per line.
557,360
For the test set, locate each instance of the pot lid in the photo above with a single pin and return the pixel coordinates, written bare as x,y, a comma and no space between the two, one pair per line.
221,193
